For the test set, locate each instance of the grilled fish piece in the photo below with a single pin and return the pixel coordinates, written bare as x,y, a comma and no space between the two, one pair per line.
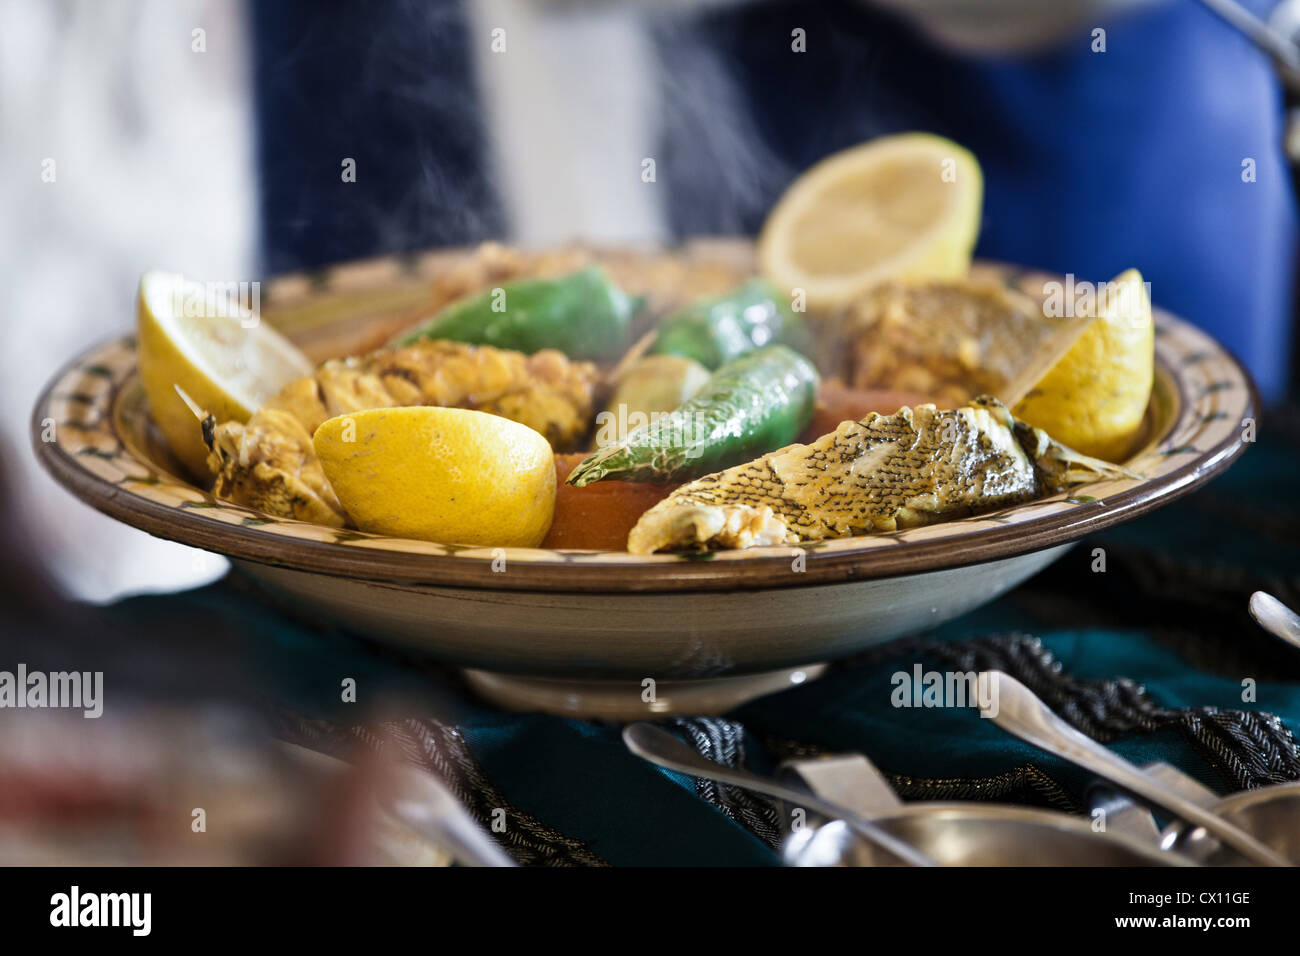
269,463
917,466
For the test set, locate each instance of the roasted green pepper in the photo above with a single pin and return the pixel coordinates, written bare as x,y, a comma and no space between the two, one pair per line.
582,314
750,406
716,331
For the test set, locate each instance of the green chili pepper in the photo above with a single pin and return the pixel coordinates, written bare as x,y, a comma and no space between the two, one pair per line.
582,314
718,330
755,404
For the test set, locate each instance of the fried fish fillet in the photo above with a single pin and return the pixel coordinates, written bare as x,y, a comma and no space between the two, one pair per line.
269,463
917,466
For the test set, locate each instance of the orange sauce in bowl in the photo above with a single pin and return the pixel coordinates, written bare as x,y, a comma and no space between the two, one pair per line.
599,516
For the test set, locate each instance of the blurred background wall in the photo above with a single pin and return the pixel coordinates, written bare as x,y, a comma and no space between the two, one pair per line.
152,144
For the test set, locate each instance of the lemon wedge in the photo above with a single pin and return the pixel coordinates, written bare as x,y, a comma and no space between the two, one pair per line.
198,337
442,474
1095,398
903,207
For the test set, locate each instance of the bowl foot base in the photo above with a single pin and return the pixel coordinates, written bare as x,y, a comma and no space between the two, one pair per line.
629,700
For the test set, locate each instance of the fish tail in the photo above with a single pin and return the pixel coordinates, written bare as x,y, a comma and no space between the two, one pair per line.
1058,466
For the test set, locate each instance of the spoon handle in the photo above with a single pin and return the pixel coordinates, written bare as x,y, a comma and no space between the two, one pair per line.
662,748
423,804
1021,713
1275,617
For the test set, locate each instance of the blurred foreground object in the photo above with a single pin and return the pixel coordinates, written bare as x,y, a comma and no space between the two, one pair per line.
199,786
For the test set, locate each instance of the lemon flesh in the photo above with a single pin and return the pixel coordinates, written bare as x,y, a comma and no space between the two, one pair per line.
221,355
903,207
1095,398
441,474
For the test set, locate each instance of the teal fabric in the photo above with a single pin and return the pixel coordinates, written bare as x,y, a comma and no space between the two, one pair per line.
1169,612
846,713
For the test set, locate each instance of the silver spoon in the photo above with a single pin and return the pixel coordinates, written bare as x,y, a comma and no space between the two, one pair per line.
1275,617
660,747
423,803
1021,713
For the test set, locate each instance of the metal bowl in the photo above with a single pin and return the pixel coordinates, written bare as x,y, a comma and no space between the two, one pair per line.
959,834
1270,814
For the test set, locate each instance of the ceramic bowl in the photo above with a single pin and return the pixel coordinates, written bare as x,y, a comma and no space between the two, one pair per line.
610,620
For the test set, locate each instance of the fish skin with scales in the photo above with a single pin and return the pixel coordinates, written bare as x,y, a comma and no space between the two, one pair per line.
882,473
